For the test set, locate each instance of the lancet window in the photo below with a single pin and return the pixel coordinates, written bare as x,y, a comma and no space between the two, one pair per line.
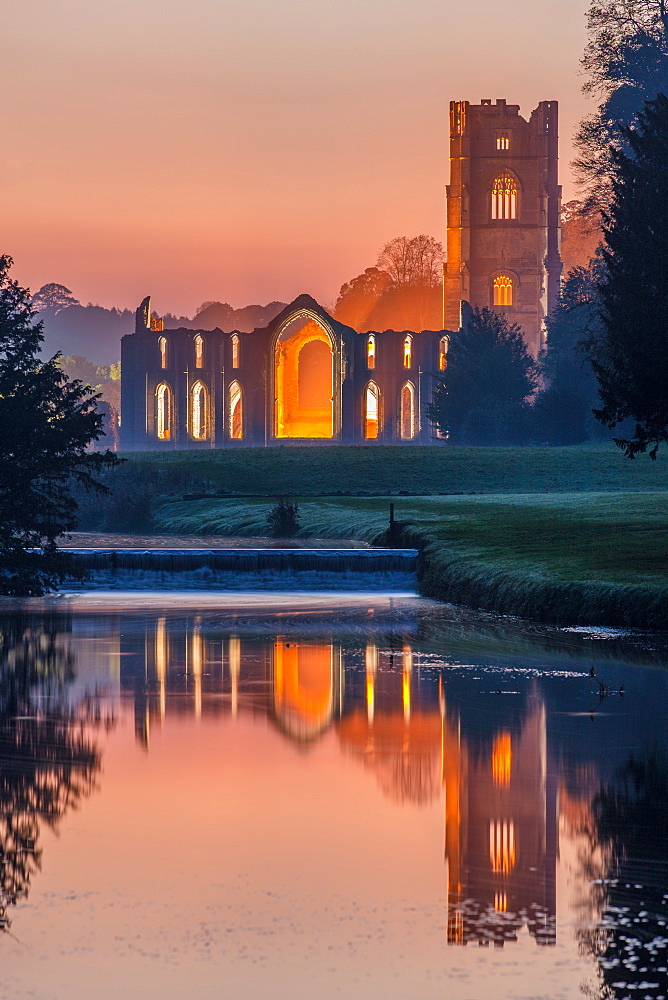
503,142
444,343
408,349
502,846
163,415
407,428
504,197
236,411
503,290
199,411
371,411
162,347
235,351
199,351
371,352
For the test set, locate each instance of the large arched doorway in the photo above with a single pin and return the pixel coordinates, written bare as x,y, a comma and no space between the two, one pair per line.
304,380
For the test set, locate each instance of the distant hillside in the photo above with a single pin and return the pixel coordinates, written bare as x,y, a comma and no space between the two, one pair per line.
94,333
220,314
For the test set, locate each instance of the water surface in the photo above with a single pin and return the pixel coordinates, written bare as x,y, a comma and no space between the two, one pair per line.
327,795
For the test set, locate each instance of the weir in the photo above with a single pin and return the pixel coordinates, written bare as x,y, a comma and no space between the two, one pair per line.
235,567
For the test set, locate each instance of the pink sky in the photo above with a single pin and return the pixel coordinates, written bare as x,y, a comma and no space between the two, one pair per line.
250,151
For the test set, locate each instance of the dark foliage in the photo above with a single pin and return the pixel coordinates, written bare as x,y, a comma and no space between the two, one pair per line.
630,357
483,398
283,519
563,411
626,61
47,422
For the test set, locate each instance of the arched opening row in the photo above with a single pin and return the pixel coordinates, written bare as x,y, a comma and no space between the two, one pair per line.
200,419
372,404
198,349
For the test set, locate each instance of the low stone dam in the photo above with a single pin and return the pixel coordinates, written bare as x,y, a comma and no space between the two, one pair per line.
241,569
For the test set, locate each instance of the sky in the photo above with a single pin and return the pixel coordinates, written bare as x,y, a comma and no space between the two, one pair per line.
250,150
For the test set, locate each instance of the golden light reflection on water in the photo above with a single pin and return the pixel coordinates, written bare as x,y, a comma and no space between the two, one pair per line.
459,826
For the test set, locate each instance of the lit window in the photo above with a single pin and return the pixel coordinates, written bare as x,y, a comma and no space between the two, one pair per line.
199,411
503,142
407,412
163,398
502,847
199,351
502,760
504,197
371,351
371,411
443,354
408,345
162,346
503,290
235,350
236,412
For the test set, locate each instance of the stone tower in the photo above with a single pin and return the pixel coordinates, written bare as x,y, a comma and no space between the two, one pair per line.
503,204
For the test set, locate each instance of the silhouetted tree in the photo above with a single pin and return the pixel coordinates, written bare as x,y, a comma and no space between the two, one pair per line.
484,394
359,296
283,519
47,423
53,297
563,410
626,62
630,357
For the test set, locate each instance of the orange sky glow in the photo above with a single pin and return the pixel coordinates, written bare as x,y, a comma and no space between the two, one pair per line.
250,151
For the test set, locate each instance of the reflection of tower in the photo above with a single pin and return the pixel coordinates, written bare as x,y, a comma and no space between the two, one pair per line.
307,686
500,835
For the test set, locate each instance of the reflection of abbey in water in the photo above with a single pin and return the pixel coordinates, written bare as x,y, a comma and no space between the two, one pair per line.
306,376
499,795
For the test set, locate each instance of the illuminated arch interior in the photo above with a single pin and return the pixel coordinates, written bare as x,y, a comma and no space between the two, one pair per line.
236,411
199,351
303,687
407,412
504,196
304,381
443,354
503,290
371,352
199,411
163,417
235,350
408,348
162,346
371,411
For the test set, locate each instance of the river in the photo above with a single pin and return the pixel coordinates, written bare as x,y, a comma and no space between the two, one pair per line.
336,795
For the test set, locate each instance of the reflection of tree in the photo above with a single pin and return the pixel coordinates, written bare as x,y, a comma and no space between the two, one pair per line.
47,761
630,941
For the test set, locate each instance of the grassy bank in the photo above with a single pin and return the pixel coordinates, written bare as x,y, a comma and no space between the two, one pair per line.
579,558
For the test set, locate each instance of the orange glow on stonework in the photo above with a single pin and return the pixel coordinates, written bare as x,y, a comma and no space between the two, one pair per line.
502,847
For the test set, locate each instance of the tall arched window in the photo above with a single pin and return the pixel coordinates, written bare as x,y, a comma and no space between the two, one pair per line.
162,347
407,428
443,354
199,411
199,351
163,412
504,197
503,290
371,351
235,350
236,411
408,349
371,411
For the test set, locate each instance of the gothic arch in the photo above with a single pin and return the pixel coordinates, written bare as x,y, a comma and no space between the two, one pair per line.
305,388
503,288
371,411
505,192
164,408
199,411
407,412
235,411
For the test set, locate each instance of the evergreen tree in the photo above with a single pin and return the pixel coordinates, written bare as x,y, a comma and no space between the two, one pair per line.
564,409
484,394
47,423
631,357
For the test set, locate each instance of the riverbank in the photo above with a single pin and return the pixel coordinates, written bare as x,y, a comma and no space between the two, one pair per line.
574,558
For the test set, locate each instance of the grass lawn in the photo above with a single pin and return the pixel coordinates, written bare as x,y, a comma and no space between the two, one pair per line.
391,469
576,557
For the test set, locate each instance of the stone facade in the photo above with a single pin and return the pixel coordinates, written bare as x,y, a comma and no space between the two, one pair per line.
305,378
503,205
